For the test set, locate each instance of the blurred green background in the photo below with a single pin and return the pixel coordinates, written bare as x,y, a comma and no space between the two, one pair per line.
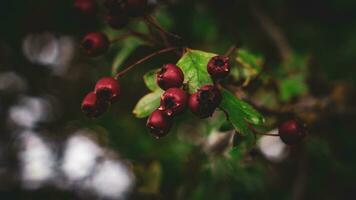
44,76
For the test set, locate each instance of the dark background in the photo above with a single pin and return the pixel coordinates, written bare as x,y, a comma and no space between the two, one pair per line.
322,167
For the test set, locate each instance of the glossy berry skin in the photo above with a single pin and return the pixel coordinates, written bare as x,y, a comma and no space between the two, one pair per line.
219,67
107,89
136,7
170,76
173,101
204,102
159,124
95,43
291,132
86,7
92,107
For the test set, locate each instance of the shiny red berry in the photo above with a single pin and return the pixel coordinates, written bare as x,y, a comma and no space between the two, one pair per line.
291,132
159,124
92,107
204,102
173,101
107,89
95,43
136,7
86,7
170,76
219,67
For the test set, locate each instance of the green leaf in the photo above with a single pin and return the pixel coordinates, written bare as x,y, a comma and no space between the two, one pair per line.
150,80
249,60
147,104
240,113
129,45
250,65
193,64
292,86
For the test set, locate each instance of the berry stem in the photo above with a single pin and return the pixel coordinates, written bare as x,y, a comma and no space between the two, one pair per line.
142,36
131,33
119,74
152,21
258,133
161,34
225,112
267,134
230,51
120,37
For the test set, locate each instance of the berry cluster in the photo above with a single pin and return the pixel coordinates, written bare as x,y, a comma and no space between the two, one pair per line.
175,100
119,13
107,91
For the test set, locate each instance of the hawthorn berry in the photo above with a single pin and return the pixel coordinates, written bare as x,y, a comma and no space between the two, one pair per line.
173,101
204,102
219,67
95,43
291,132
107,89
159,124
87,7
92,106
170,76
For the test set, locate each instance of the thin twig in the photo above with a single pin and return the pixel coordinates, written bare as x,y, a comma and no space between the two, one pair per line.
142,36
151,33
225,112
120,37
155,24
145,59
258,133
231,50
274,32
131,33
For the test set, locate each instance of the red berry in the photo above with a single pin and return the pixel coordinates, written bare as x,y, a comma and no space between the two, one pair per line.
117,20
170,76
107,89
173,101
136,7
87,7
291,132
95,43
159,124
92,107
219,67
204,102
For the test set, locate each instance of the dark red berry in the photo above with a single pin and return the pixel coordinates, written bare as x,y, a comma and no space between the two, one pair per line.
291,132
117,21
95,43
204,102
173,101
92,107
219,67
170,76
108,89
159,124
136,7
86,7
